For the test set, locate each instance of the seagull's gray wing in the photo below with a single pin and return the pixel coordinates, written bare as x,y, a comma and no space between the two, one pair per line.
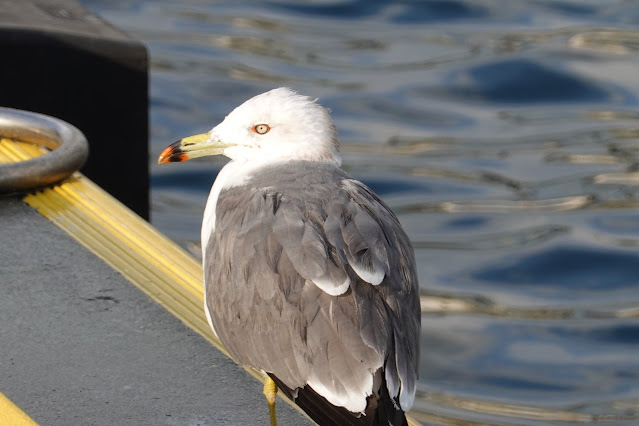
310,277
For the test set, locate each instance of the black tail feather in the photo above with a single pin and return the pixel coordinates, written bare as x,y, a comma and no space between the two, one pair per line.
380,410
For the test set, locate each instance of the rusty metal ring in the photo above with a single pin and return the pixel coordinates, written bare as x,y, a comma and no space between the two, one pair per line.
69,150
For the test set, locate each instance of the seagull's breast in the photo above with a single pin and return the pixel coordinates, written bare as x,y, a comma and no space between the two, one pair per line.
224,179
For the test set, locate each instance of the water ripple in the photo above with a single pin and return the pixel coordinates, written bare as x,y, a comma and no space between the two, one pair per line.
521,81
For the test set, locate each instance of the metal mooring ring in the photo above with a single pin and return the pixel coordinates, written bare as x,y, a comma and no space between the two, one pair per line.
69,150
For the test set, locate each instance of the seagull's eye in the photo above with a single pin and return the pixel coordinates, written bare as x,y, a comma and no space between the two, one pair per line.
261,129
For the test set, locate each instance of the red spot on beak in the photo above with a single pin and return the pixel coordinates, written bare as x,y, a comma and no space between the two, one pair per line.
173,154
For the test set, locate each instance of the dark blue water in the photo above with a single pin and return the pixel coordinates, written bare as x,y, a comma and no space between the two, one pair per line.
505,134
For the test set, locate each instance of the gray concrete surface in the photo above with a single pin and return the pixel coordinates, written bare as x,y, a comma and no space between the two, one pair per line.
80,345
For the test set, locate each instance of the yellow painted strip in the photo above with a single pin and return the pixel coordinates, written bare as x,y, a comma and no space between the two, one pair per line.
129,244
12,415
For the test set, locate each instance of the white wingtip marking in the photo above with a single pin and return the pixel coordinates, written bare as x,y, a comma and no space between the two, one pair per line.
330,287
406,399
374,277
354,400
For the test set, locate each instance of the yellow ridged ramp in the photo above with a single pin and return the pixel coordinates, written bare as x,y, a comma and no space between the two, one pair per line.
129,244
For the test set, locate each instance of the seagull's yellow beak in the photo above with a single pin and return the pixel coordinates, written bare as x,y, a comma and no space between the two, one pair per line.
192,147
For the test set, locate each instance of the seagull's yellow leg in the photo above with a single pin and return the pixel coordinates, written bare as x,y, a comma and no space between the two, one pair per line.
270,391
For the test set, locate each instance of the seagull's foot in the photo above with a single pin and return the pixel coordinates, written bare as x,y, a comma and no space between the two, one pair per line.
270,392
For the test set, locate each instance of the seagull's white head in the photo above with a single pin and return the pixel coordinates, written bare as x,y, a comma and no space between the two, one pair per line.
279,125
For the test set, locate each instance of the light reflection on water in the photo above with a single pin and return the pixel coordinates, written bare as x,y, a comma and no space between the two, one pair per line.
505,136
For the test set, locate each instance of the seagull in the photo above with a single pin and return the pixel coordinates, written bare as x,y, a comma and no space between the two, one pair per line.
308,275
